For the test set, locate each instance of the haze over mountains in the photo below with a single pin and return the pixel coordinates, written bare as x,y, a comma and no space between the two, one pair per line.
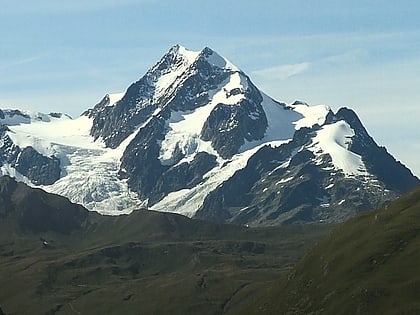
195,136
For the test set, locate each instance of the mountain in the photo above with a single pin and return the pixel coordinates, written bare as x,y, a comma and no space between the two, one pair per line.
366,266
196,137
58,258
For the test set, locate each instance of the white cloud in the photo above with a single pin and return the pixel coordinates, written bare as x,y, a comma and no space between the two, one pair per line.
283,71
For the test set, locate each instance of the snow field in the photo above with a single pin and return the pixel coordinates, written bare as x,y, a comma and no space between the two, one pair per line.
334,139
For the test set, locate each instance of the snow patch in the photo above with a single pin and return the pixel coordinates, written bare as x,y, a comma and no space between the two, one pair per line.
7,169
280,128
223,94
183,134
311,115
188,201
335,139
324,201
115,97
285,180
169,78
184,128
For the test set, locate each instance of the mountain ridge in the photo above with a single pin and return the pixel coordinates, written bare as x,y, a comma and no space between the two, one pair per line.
180,137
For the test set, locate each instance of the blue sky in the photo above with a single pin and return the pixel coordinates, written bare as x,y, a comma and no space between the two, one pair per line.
363,54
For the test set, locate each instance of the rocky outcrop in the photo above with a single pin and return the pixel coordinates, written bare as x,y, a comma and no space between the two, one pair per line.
39,169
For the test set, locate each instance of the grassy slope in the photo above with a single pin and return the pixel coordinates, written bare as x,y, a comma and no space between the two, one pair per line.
369,265
145,263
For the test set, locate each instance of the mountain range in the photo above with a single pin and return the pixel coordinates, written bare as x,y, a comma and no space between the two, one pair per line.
195,136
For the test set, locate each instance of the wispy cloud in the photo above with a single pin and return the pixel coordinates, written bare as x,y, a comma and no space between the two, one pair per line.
349,56
19,62
283,71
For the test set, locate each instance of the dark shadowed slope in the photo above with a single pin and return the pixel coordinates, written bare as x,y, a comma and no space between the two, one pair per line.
368,265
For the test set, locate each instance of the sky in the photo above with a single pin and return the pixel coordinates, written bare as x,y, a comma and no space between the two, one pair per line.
64,56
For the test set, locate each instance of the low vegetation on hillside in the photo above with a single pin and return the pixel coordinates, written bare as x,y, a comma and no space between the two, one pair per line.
143,263
369,265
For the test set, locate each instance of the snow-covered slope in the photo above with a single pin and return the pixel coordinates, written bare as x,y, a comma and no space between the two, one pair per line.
195,136
89,170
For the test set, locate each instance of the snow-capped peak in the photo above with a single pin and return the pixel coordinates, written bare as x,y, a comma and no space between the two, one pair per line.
208,54
189,55
215,59
190,128
176,56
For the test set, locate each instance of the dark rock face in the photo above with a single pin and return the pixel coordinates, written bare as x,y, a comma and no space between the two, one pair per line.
144,104
228,127
115,123
288,184
39,169
183,176
16,112
140,162
149,177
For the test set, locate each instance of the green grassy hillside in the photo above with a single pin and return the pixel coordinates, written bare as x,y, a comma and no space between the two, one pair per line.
57,258
369,265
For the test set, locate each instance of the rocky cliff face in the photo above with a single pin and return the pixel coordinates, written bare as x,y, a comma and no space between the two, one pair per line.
294,183
39,169
181,83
